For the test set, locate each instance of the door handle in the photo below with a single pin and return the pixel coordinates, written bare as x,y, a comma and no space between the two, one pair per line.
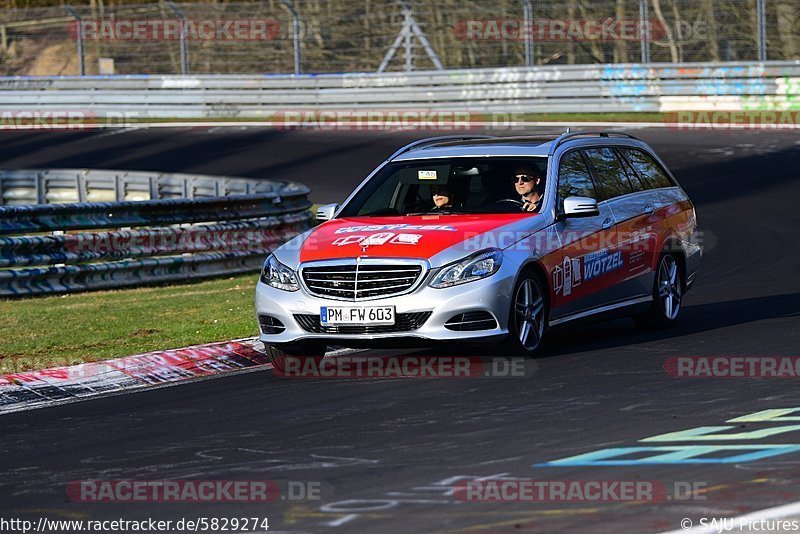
648,208
608,222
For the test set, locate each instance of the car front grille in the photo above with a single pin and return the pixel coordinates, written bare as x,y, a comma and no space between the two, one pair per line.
359,281
404,322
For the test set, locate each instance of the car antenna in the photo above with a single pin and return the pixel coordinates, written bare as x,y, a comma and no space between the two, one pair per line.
568,130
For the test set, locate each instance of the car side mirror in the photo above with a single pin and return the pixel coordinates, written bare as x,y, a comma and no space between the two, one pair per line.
326,212
580,207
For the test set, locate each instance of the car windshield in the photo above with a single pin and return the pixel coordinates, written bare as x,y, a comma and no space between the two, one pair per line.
450,185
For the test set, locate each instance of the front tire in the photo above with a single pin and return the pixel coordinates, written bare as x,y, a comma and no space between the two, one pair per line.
527,318
277,355
667,294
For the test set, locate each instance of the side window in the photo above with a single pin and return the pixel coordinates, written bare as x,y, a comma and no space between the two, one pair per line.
651,172
574,179
612,181
633,178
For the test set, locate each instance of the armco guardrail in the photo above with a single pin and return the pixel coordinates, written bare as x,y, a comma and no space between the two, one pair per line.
569,88
220,226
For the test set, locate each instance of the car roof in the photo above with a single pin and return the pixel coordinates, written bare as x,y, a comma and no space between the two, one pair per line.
484,146
492,146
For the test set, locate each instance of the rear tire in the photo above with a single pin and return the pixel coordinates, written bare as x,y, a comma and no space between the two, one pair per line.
527,319
668,289
277,355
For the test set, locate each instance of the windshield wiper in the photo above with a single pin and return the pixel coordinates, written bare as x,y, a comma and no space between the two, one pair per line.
383,212
440,212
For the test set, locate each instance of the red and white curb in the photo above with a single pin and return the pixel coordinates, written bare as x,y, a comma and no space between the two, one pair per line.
48,387
34,389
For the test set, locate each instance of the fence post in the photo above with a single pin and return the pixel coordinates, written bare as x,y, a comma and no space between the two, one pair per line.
184,44
527,16
410,30
644,29
78,37
761,17
296,34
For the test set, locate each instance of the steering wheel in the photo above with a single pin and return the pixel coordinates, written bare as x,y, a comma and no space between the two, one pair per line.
514,201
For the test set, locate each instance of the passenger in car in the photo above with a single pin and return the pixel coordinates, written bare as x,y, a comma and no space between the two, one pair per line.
528,182
443,197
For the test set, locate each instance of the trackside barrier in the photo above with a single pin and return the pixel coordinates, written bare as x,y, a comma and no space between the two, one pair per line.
117,244
661,87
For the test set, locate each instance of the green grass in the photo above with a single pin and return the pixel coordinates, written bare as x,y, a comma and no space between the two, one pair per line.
542,117
53,331
592,117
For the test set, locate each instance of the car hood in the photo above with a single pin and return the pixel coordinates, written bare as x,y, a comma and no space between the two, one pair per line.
417,236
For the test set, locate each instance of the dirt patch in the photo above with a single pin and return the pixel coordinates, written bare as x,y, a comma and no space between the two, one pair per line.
55,60
144,332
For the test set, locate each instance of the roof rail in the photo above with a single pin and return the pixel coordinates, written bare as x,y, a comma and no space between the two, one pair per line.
430,140
561,139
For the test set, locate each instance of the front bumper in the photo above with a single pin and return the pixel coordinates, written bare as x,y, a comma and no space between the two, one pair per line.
492,295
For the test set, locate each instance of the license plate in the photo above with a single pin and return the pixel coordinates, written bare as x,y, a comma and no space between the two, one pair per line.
356,315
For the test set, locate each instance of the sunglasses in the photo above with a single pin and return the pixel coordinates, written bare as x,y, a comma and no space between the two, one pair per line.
524,177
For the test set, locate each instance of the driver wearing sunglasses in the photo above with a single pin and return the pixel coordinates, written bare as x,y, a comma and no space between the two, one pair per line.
527,181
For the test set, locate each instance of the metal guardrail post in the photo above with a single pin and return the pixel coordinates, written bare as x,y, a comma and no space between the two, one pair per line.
761,17
78,37
527,19
183,38
645,31
296,34
41,193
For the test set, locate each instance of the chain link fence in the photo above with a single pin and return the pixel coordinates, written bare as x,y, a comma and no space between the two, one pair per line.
332,36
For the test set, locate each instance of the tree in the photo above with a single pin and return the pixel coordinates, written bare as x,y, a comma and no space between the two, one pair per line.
787,15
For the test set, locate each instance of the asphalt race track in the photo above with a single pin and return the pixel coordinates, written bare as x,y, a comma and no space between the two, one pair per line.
388,452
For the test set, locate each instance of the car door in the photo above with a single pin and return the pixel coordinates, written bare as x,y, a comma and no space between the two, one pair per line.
633,207
658,204
576,289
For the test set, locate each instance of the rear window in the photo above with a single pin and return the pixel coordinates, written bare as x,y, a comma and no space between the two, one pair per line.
633,177
649,170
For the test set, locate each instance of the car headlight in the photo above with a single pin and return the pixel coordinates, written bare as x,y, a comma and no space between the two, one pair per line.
279,275
471,268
